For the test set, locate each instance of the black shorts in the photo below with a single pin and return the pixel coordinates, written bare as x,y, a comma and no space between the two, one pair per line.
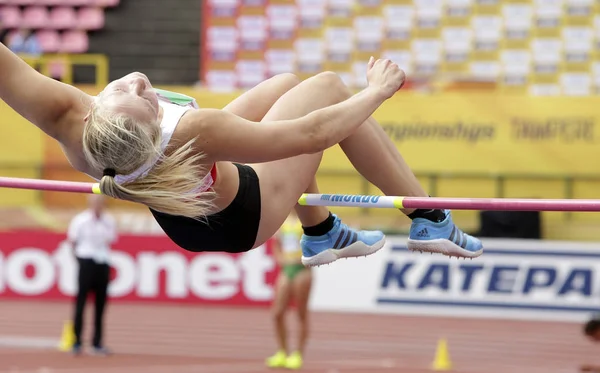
232,230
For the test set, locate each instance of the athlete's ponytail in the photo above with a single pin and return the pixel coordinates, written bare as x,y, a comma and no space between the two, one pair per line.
118,145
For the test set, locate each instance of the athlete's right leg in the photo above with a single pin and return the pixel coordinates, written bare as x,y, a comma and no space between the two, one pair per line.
254,105
282,183
310,216
257,101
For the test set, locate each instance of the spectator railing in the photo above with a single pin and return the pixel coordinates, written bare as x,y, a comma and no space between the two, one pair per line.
44,65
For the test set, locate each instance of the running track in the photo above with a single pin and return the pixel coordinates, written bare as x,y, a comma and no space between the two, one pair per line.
181,339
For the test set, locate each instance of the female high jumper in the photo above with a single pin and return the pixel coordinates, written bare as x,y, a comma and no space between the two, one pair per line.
226,180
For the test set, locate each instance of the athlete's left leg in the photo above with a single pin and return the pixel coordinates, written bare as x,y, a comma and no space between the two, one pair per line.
283,293
302,285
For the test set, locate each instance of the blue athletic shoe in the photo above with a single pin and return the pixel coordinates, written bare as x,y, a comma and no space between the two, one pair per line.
442,238
340,242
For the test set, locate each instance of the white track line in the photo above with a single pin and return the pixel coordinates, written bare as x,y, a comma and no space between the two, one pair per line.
28,342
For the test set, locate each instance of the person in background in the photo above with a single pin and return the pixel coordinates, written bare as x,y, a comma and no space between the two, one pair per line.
295,280
3,32
90,235
25,42
591,330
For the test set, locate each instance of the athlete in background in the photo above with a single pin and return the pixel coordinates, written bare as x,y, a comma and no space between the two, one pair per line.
294,282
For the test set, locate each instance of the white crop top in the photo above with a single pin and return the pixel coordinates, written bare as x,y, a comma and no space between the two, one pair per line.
174,105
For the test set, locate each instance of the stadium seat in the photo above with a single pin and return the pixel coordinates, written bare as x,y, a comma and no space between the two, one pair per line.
64,2
77,2
11,16
106,3
22,2
49,40
63,17
74,41
35,17
90,18
57,69
49,2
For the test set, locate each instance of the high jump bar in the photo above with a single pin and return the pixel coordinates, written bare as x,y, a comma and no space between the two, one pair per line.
351,200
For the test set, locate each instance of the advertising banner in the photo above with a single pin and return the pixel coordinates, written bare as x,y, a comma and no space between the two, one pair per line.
144,268
490,133
512,279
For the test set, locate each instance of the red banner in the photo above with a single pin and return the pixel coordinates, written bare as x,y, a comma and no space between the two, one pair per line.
145,268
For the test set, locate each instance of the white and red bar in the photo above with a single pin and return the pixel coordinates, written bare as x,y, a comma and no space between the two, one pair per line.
352,200
493,204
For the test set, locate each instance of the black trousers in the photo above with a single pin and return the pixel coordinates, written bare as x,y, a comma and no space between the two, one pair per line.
92,277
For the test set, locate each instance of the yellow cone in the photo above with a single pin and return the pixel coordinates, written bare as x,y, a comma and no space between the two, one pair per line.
442,357
67,338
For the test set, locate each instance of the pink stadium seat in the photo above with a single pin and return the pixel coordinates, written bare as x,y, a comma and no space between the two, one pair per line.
74,42
20,2
49,40
90,18
63,17
23,2
57,69
50,2
105,3
11,16
35,17
78,2
71,3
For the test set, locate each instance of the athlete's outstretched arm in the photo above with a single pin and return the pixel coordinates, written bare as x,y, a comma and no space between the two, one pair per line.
223,136
43,101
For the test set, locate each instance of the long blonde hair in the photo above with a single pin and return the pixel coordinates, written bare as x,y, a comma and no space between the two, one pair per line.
118,142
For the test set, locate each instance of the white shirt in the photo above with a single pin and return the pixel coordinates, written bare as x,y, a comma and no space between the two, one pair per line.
172,114
92,236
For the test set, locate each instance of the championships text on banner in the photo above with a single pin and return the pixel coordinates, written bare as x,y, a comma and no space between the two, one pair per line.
489,133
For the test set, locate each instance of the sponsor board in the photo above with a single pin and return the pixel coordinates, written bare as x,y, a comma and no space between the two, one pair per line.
512,279
144,268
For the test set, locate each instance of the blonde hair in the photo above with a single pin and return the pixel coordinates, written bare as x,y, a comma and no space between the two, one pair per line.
118,142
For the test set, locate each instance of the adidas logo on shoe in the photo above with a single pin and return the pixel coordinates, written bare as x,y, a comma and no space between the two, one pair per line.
423,233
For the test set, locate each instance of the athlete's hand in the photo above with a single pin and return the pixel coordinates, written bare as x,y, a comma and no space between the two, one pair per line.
385,75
